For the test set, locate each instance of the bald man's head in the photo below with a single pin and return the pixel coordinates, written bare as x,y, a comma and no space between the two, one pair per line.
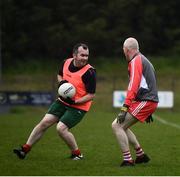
130,48
131,43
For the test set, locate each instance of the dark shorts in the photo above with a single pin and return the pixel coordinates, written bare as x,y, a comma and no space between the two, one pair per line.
68,115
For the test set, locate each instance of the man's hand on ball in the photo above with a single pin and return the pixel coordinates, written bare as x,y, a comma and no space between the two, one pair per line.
62,82
121,116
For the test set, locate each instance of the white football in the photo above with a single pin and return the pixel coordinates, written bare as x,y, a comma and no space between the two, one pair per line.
67,90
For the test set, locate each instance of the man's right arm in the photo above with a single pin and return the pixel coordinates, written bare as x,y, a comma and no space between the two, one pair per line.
60,73
59,78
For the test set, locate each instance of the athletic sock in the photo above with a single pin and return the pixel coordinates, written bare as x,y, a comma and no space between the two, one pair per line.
139,152
26,148
127,156
76,152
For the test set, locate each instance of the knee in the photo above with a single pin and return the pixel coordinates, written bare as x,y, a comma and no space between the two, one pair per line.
60,129
114,125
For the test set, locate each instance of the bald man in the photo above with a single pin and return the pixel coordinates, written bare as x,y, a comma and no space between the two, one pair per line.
140,103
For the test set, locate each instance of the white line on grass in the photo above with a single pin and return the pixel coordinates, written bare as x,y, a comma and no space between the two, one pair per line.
166,122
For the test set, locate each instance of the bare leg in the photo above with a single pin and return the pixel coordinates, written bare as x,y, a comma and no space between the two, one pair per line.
67,136
121,136
36,135
40,128
132,138
121,130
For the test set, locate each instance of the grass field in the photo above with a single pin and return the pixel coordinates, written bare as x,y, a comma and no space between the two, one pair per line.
94,135
97,142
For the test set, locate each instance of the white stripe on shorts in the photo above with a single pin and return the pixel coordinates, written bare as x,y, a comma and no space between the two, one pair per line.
139,107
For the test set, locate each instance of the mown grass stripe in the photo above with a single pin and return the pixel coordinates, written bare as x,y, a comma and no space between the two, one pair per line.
166,122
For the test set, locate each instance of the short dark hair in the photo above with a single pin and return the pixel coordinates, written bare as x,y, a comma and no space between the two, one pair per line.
75,48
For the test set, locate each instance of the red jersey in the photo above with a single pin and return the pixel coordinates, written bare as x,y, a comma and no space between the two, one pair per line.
142,81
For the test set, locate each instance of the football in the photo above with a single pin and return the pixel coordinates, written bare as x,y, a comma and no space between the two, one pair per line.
67,90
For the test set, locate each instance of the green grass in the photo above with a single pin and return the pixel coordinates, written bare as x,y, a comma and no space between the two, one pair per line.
97,142
94,134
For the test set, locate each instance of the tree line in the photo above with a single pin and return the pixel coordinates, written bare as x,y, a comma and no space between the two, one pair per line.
50,28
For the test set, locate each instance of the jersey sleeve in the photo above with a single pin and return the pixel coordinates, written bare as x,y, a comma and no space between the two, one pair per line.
135,75
89,79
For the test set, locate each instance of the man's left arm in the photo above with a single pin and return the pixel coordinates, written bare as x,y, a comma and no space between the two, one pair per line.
85,98
135,80
89,79
135,74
